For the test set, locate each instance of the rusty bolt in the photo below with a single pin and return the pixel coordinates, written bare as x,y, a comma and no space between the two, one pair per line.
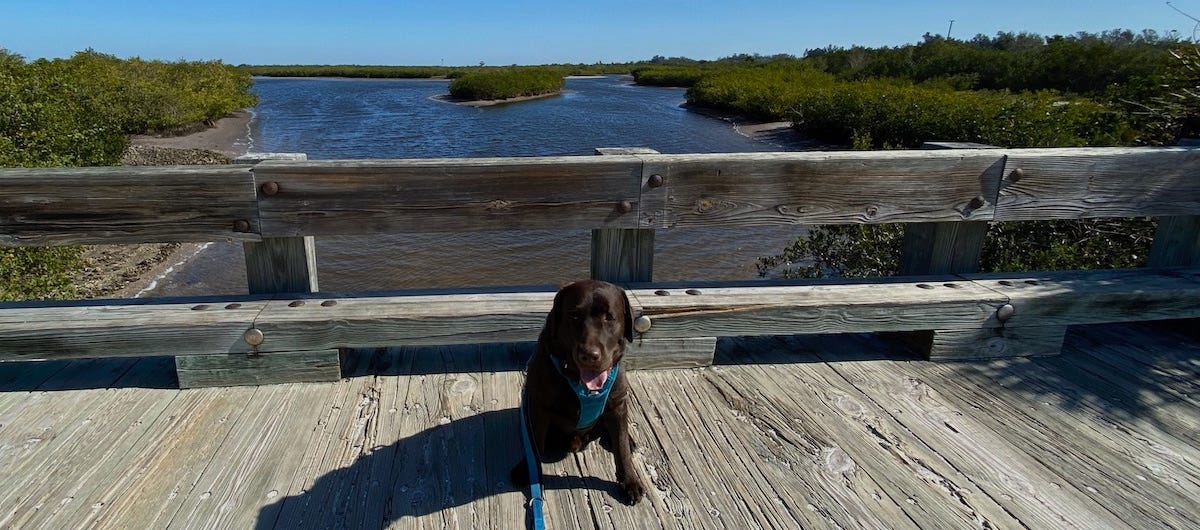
642,324
1005,312
872,211
270,188
253,336
241,225
624,207
1017,174
655,181
975,203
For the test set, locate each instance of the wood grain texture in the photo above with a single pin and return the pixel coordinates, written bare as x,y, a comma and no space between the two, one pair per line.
404,320
1099,182
198,371
990,343
360,197
897,305
652,354
623,255
1087,297
107,205
87,329
282,265
942,248
751,189
1176,243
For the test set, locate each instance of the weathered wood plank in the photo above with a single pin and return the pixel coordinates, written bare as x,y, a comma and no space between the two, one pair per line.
162,470
942,248
106,205
652,354
125,329
750,189
987,343
891,305
257,460
1176,243
623,255
1034,493
432,195
1099,182
237,369
63,483
1098,463
404,320
282,265
1086,297
851,431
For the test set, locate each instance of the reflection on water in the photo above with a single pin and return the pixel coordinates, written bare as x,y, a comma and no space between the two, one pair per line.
354,118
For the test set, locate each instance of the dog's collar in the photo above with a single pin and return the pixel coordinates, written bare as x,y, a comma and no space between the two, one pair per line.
591,402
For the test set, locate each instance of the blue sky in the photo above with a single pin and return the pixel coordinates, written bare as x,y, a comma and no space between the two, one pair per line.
535,32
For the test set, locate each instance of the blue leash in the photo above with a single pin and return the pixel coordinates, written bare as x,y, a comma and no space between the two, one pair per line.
535,486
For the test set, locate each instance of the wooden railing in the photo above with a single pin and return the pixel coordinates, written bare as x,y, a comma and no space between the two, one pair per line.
282,332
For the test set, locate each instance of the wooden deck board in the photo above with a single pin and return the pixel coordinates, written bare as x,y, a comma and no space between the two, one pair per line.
812,432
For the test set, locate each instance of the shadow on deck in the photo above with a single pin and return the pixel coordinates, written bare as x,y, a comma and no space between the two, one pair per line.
788,432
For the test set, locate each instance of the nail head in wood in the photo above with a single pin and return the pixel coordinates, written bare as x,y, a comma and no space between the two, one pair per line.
241,225
253,336
270,188
655,181
642,324
1005,312
1017,174
624,206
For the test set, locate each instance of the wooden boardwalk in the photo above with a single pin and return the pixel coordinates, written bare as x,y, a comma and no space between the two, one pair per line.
797,432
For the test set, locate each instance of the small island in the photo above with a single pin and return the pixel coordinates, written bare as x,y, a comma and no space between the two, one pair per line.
504,85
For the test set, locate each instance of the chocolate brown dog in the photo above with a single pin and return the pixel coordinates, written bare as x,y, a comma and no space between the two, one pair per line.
577,365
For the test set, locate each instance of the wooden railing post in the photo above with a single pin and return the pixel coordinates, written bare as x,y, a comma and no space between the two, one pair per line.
623,255
1177,242
626,255
956,248
275,265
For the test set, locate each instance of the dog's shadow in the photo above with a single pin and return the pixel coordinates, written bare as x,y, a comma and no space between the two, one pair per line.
449,465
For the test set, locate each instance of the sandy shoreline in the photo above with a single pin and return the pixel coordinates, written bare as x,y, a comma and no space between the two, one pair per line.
127,271
490,102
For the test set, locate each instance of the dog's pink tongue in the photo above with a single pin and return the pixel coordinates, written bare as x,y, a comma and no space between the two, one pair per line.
593,380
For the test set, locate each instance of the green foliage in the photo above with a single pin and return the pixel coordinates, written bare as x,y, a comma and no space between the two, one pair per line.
856,251
669,76
79,112
38,273
505,83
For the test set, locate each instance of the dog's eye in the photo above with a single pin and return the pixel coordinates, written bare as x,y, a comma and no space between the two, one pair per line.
575,316
609,317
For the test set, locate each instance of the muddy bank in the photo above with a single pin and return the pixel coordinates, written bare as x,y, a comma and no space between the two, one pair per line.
123,271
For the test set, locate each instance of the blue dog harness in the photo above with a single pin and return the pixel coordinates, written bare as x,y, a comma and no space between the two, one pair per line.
591,402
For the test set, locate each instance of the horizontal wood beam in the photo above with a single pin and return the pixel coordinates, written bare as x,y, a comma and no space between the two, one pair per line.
682,314
107,205
1099,182
448,195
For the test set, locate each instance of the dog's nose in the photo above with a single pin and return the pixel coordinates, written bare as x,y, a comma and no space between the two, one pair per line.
591,354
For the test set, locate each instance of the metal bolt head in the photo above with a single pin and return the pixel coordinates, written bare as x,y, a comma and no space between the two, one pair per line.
1005,312
1017,174
642,324
270,188
976,203
655,181
241,225
253,336
624,207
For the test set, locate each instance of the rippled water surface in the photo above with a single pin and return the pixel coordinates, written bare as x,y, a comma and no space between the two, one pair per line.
353,118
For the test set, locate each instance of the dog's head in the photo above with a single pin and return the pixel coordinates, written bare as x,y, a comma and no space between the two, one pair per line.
587,329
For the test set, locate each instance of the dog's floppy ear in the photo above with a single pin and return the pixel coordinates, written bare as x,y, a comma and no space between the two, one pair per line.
552,320
628,316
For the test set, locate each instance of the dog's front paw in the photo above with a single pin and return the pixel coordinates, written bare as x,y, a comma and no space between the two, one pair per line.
633,490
